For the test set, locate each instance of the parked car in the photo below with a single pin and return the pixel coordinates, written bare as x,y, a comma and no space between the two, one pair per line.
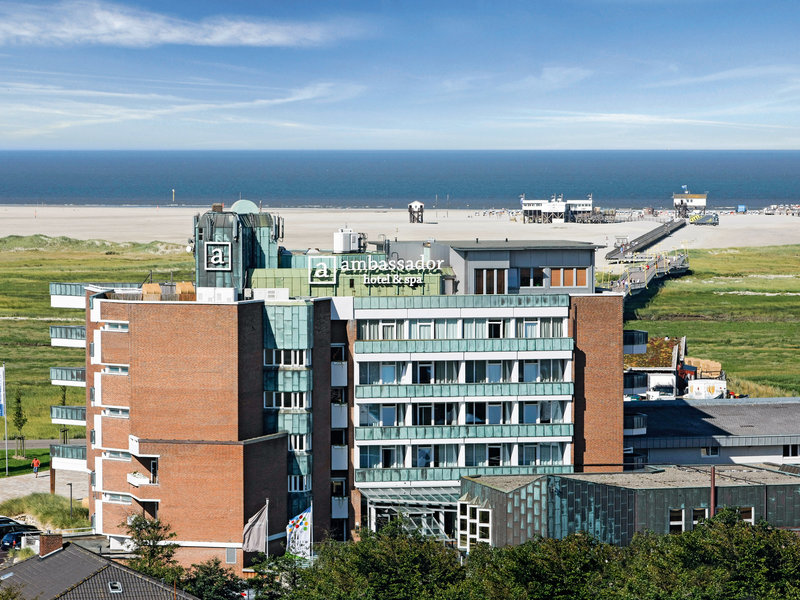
14,539
12,527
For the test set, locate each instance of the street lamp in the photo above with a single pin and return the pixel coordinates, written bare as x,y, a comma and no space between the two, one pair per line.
70,501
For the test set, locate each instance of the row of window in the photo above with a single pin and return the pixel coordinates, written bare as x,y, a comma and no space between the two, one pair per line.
449,455
474,525
502,281
468,371
465,328
679,517
302,483
287,358
448,413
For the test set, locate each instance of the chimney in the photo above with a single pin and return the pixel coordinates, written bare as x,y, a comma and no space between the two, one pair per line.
49,543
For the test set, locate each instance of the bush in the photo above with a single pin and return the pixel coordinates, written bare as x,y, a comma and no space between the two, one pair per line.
50,510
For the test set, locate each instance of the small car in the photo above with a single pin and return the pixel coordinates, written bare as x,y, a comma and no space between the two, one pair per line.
14,539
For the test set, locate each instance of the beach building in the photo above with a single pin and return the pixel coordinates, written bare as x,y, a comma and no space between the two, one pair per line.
555,209
362,383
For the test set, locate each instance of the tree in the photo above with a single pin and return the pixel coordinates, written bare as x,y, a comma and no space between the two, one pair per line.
19,419
153,553
211,581
275,576
11,592
63,395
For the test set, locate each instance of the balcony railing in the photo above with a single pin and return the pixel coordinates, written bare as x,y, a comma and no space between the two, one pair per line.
68,376
72,333
455,390
68,415
433,432
461,301
468,345
637,421
72,451
451,473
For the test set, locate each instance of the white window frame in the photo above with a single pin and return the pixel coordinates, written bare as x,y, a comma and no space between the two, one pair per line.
287,400
120,455
277,357
117,412
299,483
473,518
299,442
114,498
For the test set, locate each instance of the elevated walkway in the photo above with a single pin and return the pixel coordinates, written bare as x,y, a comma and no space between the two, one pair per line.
643,242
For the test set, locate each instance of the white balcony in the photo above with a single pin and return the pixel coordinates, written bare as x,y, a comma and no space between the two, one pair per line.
136,479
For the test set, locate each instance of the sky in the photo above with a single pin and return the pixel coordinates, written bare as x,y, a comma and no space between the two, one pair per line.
384,74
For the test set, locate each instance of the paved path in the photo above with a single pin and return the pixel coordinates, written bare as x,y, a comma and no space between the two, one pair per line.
22,485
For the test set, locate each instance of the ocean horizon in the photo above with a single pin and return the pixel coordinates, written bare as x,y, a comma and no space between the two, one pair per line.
465,179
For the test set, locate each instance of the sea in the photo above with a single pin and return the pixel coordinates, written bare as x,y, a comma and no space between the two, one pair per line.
473,179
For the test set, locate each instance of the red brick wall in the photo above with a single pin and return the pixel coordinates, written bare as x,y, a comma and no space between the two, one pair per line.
115,432
116,389
115,347
184,371
115,311
265,468
596,326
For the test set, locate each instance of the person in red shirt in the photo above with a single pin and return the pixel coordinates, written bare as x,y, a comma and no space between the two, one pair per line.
35,464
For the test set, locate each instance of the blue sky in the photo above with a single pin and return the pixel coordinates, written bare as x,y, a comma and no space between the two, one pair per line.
296,74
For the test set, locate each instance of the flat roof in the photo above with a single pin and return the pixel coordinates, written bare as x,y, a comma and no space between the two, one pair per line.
691,477
504,483
478,244
735,417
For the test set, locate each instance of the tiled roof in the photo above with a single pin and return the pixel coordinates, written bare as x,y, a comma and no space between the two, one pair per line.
75,573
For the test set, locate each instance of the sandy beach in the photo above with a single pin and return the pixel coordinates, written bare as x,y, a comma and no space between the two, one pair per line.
313,228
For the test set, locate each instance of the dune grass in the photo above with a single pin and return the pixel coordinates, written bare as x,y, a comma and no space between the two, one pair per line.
51,510
738,306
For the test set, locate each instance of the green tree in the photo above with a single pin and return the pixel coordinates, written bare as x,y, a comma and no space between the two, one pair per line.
393,564
153,552
11,592
275,576
63,395
19,419
211,581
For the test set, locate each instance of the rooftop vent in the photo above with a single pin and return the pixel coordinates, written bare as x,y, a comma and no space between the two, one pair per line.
115,587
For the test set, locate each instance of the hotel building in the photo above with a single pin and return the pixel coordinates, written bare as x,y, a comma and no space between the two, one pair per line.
365,382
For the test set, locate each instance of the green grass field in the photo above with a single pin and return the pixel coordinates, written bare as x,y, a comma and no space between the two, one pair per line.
738,306
29,265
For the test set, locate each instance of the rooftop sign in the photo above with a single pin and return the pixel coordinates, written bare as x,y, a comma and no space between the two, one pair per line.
323,270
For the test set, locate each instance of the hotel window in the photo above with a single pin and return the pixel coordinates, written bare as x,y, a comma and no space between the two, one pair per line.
338,395
115,370
286,358
446,329
531,277
476,413
440,413
499,328
422,372
438,455
475,329
568,277
117,498
299,443
338,353
338,437
379,373
119,413
529,413
474,526
698,514
551,370
373,329
675,520
339,487
709,451
551,454
446,371
551,327
420,330
528,371
490,281
370,457
476,455
422,456
121,327
299,483
422,414
791,450
116,455
389,415
527,454
392,457
527,328
289,400
369,415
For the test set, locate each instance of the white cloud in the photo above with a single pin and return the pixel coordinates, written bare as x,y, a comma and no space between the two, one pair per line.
550,79
99,23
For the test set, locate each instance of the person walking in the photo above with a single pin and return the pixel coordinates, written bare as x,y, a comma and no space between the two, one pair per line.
35,464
